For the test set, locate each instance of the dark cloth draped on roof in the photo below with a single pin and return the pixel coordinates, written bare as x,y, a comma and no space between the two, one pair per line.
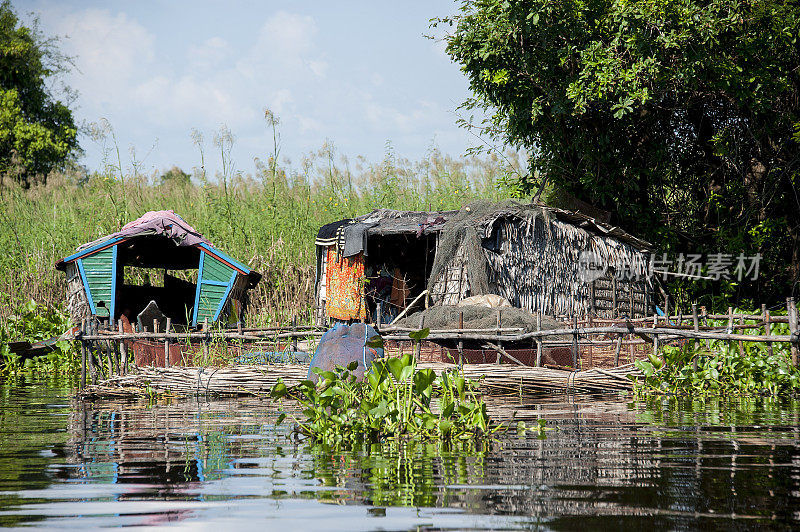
355,238
327,234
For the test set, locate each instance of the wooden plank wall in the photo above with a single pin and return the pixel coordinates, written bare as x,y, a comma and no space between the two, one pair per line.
99,271
213,285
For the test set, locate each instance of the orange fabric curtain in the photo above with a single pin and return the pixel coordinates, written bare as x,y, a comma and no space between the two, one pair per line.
344,281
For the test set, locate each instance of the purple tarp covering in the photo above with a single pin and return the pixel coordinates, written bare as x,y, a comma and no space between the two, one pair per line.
165,223
343,344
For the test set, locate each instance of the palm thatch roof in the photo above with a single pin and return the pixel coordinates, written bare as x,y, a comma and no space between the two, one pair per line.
390,221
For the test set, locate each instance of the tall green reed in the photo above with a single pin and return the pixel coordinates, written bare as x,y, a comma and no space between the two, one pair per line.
267,218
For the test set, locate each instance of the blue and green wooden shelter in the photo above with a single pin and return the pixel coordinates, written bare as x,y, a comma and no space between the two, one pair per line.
158,240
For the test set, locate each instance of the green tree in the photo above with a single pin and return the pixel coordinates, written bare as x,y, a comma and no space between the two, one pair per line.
37,131
175,177
680,117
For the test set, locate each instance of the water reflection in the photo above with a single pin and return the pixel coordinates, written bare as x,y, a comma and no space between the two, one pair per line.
609,463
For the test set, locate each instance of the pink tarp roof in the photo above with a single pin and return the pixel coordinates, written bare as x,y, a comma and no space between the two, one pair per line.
165,223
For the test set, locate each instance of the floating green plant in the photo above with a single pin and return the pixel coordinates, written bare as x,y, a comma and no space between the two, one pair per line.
395,400
32,322
721,368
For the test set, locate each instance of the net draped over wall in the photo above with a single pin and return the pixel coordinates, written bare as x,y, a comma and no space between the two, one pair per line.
526,255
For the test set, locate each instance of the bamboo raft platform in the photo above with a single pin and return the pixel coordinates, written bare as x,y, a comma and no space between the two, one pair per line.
105,358
258,380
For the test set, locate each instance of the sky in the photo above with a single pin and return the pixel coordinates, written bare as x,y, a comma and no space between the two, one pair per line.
356,74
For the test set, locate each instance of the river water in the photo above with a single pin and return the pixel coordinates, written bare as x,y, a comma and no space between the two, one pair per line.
607,463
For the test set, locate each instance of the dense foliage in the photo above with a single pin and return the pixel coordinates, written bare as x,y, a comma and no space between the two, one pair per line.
680,117
37,130
33,323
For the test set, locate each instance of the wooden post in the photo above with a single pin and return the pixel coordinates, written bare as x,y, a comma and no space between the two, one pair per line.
630,297
166,342
613,296
113,349
460,340
617,350
418,348
591,351
294,330
696,327
83,355
92,369
538,340
792,312
110,349
741,331
729,329
575,341
631,349
123,350
115,352
497,360
767,327
705,324
655,345
379,318
155,330
205,342
102,354
655,336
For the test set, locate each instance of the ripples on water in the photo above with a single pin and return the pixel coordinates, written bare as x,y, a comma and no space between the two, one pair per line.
609,463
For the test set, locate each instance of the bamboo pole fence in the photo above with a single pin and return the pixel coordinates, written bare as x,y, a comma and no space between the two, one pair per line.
105,354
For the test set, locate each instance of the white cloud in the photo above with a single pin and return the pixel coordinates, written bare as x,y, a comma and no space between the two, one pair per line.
319,68
401,120
280,100
190,102
156,78
285,45
110,51
308,124
210,53
288,34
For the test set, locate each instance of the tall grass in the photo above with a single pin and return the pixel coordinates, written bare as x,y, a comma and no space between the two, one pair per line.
267,219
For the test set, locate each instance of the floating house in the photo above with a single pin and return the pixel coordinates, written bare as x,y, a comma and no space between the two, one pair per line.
539,258
186,278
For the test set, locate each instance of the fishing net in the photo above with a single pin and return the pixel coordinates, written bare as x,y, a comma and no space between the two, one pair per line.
466,229
479,317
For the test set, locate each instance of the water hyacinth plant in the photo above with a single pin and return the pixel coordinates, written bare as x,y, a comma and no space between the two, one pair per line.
722,368
395,401
32,322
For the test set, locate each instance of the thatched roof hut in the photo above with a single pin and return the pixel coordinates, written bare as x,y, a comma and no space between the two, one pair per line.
166,251
539,258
